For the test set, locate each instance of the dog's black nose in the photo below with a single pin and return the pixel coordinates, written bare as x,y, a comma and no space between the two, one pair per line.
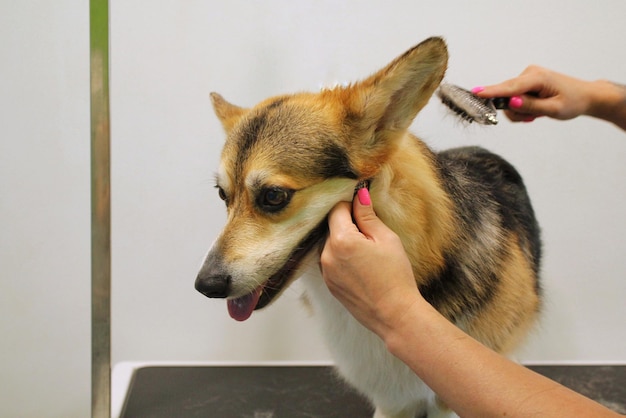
213,286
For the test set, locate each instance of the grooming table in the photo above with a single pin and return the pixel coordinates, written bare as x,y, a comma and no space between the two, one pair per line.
292,391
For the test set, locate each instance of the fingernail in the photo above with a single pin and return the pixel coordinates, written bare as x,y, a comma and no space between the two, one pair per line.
478,89
515,102
364,196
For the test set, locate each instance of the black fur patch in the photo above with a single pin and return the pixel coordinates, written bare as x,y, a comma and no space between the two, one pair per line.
453,284
250,135
484,188
335,163
254,127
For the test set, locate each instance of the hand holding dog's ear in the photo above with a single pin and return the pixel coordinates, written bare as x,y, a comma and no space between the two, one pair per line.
365,266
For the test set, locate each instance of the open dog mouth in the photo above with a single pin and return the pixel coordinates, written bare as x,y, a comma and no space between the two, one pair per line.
241,308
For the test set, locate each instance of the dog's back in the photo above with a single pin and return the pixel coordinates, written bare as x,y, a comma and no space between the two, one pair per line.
489,283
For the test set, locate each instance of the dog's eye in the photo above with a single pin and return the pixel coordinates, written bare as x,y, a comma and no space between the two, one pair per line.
274,199
221,193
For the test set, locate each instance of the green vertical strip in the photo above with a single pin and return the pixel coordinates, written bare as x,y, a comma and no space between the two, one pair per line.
100,211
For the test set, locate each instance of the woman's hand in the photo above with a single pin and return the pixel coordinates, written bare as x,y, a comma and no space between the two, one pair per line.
541,92
365,266
538,92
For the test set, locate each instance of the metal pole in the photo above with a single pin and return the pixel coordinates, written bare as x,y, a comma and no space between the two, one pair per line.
100,211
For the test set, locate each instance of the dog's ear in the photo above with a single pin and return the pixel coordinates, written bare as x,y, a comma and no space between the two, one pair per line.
387,102
226,112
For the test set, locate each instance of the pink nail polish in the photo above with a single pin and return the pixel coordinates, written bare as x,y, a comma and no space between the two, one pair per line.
515,102
364,196
478,89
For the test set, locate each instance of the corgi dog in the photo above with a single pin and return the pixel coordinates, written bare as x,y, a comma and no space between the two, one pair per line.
463,215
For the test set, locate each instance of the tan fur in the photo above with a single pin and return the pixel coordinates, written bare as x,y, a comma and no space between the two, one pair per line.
425,225
507,320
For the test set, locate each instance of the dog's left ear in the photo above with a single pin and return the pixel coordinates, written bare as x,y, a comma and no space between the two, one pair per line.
226,112
386,103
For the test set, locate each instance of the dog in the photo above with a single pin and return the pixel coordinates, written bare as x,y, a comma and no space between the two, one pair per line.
463,215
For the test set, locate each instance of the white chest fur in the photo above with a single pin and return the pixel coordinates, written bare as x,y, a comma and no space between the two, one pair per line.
361,356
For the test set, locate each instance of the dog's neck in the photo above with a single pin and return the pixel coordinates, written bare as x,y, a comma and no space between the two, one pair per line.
409,197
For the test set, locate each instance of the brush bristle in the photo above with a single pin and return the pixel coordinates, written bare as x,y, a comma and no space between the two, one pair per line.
467,105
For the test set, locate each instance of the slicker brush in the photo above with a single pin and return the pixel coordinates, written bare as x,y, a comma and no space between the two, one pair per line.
469,106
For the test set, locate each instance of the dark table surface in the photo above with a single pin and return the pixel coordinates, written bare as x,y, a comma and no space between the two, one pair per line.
303,391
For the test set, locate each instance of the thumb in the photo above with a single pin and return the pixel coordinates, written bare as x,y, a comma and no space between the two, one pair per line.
366,220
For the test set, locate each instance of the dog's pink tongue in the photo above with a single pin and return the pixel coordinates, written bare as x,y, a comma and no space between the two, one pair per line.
241,308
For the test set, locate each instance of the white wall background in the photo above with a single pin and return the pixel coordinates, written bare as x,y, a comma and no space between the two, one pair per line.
166,57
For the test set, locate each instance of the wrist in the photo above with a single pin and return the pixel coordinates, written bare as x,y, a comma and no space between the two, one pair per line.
607,102
405,325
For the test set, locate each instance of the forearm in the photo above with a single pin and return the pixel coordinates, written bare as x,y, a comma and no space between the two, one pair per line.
473,380
608,102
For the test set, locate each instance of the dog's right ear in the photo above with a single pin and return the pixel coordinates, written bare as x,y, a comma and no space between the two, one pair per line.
227,113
